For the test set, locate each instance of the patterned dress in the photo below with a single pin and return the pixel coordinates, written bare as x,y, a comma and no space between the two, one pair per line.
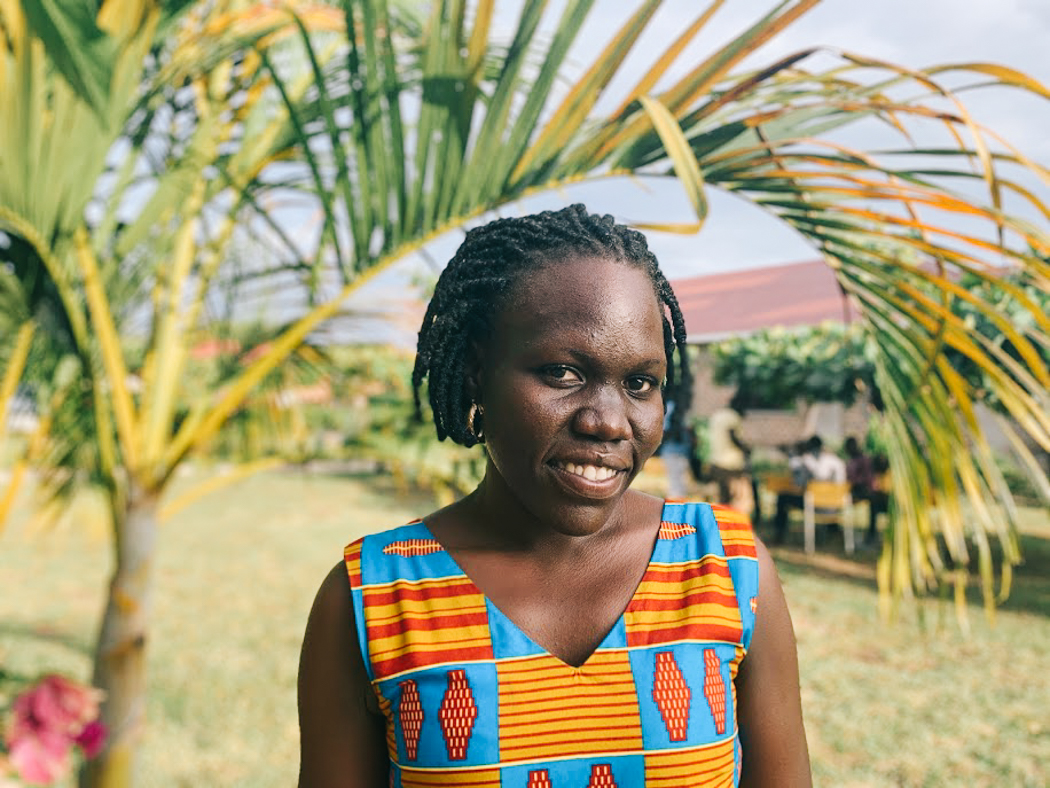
470,700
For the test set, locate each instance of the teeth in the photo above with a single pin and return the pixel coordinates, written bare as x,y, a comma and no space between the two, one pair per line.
594,473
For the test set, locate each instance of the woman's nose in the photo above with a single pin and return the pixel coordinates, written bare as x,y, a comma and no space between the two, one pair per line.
603,416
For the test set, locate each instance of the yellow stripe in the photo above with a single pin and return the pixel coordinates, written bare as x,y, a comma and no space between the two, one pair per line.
428,582
381,614
448,778
393,652
426,642
558,672
554,698
655,591
676,768
678,566
734,539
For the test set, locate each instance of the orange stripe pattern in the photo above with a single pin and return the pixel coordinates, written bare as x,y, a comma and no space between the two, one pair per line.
547,708
411,625
692,600
703,766
735,529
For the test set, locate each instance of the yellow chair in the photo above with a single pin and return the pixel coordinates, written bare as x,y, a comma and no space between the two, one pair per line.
828,502
777,483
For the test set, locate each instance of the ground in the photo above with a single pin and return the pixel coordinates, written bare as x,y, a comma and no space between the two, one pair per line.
909,704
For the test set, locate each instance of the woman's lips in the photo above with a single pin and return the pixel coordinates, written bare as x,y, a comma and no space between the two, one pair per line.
588,480
590,472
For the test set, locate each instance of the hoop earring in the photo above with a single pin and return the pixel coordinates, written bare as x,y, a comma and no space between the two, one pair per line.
478,434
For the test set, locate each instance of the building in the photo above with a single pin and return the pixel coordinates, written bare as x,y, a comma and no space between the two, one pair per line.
738,303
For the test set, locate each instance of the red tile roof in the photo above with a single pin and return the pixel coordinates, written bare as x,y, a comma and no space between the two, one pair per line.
718,306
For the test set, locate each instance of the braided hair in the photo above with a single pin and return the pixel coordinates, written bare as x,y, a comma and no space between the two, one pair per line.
471,291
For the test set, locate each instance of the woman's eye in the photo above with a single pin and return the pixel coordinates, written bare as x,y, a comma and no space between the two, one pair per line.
561,373
640,385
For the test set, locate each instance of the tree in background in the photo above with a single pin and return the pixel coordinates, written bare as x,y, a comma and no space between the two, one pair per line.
776,367
136,141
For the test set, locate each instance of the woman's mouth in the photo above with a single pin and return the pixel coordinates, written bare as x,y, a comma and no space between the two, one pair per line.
589,479
594,473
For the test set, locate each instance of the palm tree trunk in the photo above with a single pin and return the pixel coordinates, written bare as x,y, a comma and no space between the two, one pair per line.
120,656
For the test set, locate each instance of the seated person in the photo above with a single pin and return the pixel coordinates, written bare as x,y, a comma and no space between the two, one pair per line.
859,471
816,462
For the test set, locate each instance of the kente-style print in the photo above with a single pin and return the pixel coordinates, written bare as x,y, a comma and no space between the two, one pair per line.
410,715
472,702
715,688
413,547
675,530
672,695
602,776
458,714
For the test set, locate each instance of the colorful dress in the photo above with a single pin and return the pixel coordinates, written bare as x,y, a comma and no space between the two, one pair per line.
470,700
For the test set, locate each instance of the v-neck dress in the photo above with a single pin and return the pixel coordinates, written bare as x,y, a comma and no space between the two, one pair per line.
471,700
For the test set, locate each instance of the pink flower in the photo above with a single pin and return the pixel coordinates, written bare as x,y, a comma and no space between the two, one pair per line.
48,719
40,758
92,738
55,704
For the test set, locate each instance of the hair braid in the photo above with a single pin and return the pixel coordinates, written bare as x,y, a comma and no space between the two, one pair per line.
471,291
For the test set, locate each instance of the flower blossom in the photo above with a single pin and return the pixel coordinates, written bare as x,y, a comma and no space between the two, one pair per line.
49,719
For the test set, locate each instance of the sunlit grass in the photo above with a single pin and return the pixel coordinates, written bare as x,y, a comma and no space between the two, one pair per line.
236,572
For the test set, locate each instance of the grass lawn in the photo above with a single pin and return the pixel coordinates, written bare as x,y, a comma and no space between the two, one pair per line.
885,706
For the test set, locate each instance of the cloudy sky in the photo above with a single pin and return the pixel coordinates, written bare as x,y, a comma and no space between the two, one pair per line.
914,33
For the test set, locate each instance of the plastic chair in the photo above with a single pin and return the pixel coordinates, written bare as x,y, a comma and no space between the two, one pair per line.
828,502
780,483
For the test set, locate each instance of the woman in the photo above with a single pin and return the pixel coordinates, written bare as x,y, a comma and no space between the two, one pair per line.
553,628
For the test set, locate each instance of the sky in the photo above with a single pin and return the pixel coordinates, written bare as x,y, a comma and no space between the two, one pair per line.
913,33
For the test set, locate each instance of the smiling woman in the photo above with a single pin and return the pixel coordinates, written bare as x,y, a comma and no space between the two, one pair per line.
555,627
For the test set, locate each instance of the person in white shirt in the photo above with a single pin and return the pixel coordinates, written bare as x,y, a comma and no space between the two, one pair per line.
823,464
816,462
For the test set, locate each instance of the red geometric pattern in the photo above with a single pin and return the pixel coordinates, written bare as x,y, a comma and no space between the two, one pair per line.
672,695
715,688
457,713
413,547
602,776
410,715
539,779
675,530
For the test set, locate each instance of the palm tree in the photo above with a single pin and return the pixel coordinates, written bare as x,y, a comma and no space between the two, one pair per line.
197,123
489,126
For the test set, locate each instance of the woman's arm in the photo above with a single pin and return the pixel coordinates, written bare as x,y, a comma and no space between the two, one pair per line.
769,706
342,739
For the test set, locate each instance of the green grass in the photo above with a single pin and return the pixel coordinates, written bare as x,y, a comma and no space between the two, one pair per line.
885,706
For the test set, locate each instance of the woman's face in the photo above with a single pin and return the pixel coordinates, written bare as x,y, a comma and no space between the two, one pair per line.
570,383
